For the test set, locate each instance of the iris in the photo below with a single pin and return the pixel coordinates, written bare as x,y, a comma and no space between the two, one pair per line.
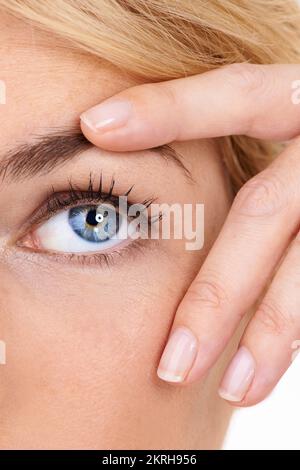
94,223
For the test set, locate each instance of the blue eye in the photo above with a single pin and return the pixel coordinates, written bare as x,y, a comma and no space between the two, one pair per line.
94,224
83,229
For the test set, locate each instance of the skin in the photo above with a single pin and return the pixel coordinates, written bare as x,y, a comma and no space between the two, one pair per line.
263,221
84,339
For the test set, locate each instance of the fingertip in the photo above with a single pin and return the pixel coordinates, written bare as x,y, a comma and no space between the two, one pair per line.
238,376
225,395
114,140
107,116
105,125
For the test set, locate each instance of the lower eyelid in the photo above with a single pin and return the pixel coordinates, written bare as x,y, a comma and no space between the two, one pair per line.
102,260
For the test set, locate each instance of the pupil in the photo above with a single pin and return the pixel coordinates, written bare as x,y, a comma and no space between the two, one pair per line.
91,218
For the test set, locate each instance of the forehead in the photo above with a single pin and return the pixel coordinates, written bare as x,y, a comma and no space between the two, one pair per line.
48,81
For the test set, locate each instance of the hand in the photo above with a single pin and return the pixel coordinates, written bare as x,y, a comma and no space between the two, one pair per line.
253,100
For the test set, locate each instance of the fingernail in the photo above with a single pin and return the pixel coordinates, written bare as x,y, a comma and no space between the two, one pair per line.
238,376
107,116
178,356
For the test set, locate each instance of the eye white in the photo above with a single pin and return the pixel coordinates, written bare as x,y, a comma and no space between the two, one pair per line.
56,234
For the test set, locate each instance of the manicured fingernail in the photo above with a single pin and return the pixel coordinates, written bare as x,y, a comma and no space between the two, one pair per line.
178,356
238,376
107,116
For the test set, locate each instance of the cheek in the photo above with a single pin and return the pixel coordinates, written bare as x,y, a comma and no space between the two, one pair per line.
84,344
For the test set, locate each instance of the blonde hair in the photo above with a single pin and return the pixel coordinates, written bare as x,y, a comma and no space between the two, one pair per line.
156,40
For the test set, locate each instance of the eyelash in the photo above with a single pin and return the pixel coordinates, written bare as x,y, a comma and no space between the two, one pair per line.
58,201
74,195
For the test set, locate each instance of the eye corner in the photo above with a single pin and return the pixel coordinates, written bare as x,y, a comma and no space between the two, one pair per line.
28,241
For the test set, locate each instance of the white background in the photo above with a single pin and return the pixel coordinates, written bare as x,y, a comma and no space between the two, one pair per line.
273,423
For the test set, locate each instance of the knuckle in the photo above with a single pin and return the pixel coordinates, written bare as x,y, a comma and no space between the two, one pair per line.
249,78
273,319
207,293
260,196
168,92
164,97
250,83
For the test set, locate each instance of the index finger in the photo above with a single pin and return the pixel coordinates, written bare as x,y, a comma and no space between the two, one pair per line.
240,99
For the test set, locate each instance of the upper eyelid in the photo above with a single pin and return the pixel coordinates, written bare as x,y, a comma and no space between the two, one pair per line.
39,195
42,214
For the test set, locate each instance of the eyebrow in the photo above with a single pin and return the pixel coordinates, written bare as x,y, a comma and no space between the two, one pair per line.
53,150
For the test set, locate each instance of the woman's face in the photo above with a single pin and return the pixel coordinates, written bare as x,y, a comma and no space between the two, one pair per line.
84,331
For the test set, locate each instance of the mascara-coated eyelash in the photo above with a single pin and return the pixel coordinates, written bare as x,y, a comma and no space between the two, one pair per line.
75,197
